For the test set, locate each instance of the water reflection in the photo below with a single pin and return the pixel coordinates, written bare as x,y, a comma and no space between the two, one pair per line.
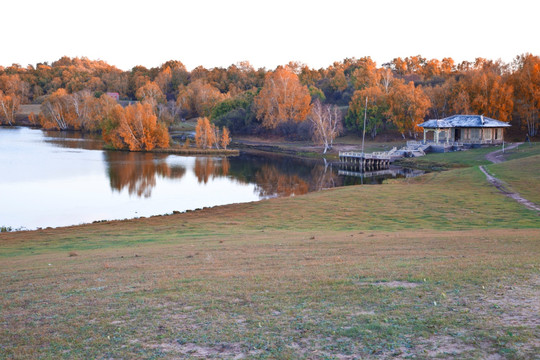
74,140
271,182
207,168
61,178
137,171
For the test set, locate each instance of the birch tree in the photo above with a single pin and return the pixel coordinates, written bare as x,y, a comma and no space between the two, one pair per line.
9,104
327,124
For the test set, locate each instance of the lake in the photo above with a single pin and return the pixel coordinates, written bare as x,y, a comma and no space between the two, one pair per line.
51,179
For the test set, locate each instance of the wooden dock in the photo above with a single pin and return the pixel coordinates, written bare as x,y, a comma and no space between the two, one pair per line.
360,160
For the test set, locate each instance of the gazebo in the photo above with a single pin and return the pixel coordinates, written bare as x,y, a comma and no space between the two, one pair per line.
465,129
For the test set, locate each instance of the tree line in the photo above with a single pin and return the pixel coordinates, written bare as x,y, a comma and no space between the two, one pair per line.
293,100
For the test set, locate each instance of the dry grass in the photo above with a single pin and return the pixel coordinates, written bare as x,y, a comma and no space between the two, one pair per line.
274,294
441,265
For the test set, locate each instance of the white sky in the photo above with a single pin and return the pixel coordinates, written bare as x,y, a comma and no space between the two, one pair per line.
266,33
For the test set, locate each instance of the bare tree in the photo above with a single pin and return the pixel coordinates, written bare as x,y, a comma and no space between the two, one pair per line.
327,124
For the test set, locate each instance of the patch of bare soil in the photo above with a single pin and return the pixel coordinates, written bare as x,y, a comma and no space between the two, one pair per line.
519,304
390,284
224,351
503,308
445,347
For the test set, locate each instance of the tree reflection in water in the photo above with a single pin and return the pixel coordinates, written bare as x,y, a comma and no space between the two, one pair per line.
74,140
271,182
206,168
137,171
324,177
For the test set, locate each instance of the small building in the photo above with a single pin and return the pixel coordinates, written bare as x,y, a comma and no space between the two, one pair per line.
464,130
114,95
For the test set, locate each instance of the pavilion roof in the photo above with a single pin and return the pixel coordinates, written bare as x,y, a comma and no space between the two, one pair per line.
464,121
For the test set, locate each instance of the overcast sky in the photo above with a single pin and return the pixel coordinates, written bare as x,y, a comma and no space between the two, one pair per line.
266,33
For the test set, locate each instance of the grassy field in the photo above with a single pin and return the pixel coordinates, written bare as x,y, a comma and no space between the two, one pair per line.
451,160
527,183
473,157
438,266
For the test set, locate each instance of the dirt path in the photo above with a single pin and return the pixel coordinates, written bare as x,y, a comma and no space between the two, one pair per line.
497,157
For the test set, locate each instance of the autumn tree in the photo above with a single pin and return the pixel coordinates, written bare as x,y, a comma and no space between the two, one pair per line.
150,93
365,74
56,111
327,124
282,99
225,138
136,128
172,75
101,110
339,81
9,104
376,112
484,89
13,91
526,82
441,98
386,76
408,105
205,133
200,98
78,111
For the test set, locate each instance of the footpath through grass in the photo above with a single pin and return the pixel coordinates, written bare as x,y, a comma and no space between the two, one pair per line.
437,266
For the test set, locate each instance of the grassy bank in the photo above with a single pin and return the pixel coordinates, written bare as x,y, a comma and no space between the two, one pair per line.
437,266
473,157
522,176
450,160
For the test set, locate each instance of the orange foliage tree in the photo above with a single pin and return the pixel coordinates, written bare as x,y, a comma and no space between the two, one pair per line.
526,81
56,112
408,105
282,99
136,128
78,111
13,91
9,104
150,93
225,138
199,98
205,133
366,74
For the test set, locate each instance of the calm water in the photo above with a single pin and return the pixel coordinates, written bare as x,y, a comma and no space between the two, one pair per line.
58,179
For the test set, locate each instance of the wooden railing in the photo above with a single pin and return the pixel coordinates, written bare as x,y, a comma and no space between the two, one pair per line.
375,155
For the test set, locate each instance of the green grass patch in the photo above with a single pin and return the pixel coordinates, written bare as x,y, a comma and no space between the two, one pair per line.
450,160
522,175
